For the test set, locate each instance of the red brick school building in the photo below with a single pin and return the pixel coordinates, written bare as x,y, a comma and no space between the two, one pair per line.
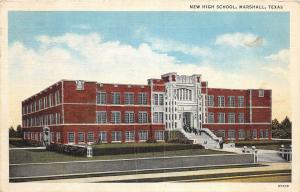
78,112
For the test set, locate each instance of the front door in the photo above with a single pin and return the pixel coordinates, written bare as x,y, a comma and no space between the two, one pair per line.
186,120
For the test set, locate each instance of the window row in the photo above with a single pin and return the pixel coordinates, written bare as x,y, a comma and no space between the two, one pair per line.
129,98
55,137
48,119
231,118
242,134
184,94
115,117
116,136
42,103
231,101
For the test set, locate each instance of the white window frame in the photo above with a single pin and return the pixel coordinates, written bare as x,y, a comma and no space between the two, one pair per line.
115,119
159,135
261,93
219,118
241,118
231,117
114,136
129,136
231,101
143,135
116,98
129,117
142,98
241,101
241,133
101,98
81,134
210,101
68,137
58,137
221,101
129,98
101,136
231,134
99,117
89,138
143,117
52,140
211,117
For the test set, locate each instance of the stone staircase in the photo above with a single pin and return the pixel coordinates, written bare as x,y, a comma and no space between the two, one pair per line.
206,138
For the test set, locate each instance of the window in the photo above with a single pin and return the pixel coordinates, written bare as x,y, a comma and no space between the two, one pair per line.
116,98
51,120
155,99
101,98
129,99
161,99
50,100
241,134
56,98
90,137
143,135
45,102
231,134
129,136
231,101
221,101
240,101
101,117
159,135
211,118
58,139
129,117
52,137
143,117
160,117
103,137
184,94
116,117
221,117
57,118
261,133
267,133
210,100
116,136
80,137
241,118
71,137
254,133
261,93
142,99
231,117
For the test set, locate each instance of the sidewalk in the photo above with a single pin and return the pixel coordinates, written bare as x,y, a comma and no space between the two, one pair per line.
248,170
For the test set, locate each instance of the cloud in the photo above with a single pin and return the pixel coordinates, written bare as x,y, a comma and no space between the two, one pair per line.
239,40
168,45
282,56
89,57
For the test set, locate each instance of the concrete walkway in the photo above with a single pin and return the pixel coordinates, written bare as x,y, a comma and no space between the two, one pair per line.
248,170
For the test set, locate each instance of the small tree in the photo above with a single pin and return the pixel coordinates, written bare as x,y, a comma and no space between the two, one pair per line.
12,132
19,131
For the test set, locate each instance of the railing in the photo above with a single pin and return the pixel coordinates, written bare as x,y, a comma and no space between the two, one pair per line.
252,150
286,152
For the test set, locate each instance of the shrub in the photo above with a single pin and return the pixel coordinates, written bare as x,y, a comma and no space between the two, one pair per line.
151,140
67,149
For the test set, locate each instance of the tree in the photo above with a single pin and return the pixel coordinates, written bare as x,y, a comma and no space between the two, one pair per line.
282,130
19,131
12,132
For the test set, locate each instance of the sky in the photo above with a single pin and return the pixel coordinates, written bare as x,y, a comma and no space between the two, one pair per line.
230,49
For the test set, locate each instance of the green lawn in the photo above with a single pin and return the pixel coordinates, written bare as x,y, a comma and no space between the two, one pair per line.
39,156
263,144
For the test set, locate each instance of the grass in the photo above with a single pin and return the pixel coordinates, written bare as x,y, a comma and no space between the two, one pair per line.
42,156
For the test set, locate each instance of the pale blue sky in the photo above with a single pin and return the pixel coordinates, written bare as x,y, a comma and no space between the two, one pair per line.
230,49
